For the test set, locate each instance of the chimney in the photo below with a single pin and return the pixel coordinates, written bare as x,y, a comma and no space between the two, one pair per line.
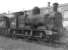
48,6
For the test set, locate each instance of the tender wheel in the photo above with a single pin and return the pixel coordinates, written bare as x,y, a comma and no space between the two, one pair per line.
12,33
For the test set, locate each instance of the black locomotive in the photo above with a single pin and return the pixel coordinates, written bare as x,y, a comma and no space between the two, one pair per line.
36,26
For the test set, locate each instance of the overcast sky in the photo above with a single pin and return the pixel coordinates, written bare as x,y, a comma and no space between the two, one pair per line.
18,5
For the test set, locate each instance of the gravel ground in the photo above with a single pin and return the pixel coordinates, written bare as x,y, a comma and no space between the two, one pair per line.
8,44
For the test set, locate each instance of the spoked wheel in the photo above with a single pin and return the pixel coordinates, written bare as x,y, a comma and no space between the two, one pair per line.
42,36
27,34
11,33
37,35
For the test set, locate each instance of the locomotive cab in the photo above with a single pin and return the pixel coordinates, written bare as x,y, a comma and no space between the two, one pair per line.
4,24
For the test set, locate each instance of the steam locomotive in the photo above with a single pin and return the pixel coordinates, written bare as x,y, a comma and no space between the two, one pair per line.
36,26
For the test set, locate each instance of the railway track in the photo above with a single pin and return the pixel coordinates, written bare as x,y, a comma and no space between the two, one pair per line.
26,45
56,44
41,42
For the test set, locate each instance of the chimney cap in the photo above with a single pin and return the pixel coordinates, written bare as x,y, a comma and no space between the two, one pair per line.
55,4
48,2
